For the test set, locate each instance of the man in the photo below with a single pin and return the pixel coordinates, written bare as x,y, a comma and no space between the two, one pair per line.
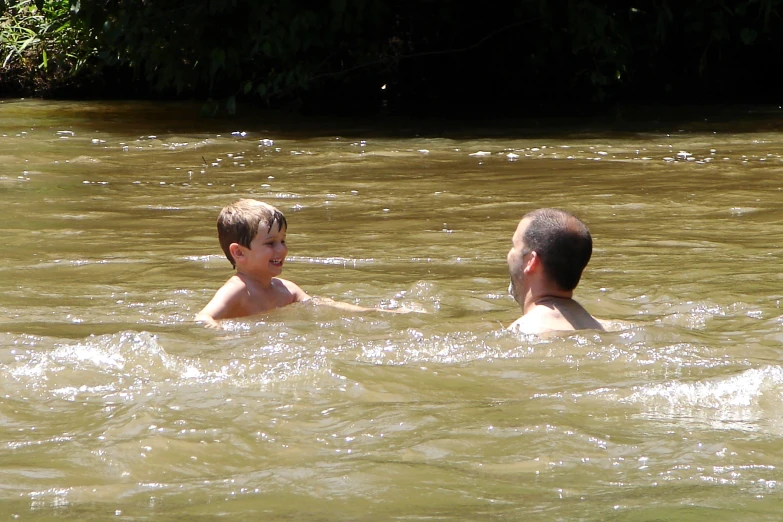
550,250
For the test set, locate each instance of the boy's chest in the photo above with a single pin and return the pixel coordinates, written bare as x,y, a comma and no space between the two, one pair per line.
267,299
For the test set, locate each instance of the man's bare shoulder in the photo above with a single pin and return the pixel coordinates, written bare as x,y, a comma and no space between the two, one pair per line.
526,325
542,323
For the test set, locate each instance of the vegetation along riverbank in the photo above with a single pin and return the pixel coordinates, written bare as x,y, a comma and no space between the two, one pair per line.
375,55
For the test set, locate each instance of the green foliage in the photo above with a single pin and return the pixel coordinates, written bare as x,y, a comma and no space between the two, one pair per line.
668,45
40,45
221,48
284,51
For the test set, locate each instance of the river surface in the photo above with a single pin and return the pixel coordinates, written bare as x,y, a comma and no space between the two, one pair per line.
115,405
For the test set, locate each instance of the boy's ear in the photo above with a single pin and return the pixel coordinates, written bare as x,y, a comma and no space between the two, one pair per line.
237,251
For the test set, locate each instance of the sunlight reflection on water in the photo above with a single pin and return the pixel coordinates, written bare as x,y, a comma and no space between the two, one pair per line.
114,402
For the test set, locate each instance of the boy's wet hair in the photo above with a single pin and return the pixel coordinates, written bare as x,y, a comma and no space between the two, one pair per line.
239,223
562,242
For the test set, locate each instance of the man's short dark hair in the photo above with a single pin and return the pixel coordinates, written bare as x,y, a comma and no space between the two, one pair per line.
562,242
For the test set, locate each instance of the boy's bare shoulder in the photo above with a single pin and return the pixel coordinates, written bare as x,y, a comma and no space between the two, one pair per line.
235,286
230,300
292,288
234,296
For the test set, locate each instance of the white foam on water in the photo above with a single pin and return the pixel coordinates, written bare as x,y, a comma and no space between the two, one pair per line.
741,401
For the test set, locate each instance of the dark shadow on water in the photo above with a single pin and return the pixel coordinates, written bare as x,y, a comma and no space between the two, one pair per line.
185,118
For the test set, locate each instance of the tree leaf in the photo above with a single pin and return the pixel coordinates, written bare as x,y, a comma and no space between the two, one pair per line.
748,35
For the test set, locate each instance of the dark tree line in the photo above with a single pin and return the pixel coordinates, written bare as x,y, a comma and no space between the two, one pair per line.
426,53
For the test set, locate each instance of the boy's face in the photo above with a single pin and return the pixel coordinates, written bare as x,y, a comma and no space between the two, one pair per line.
267,252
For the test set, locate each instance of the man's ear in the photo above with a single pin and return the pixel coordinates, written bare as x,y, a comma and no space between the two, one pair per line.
237,251
533,263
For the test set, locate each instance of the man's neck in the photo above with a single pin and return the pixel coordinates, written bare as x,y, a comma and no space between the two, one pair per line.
550,299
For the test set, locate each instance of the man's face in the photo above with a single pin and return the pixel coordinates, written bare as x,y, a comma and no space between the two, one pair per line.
516,263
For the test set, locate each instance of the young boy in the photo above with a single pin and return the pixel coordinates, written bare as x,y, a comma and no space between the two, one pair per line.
252,235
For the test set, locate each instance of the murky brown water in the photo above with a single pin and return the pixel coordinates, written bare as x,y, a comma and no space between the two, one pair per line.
114,405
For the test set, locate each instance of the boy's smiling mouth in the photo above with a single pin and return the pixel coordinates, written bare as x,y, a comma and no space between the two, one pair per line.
276,262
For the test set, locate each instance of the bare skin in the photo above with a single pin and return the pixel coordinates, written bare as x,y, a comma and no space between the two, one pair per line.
255,288
555,314
545,306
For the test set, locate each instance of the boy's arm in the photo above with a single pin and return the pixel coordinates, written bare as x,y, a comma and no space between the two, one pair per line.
355,308
204,317
301,296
